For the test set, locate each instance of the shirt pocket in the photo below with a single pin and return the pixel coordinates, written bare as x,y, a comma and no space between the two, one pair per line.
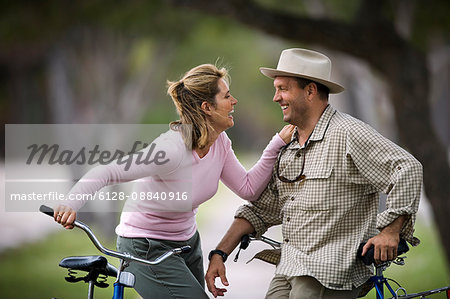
315,190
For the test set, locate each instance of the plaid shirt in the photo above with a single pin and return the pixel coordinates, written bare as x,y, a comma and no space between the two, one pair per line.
328,214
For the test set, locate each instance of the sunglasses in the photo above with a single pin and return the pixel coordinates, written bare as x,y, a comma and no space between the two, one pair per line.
301,176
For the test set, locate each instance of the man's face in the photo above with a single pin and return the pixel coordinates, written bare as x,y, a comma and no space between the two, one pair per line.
291,99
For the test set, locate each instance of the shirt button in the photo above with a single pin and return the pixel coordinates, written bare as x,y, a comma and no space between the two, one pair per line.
286,240
399,167
288,219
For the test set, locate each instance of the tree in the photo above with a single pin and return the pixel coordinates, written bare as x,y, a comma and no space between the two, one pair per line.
370,34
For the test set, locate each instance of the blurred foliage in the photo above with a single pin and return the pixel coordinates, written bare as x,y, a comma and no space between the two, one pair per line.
429,17
143,25
343,10
36,28
431,21
40,22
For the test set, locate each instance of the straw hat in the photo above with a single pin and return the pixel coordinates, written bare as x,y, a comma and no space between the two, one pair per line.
306,64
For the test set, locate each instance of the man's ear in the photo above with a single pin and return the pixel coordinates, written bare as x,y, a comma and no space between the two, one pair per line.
311,90
206,107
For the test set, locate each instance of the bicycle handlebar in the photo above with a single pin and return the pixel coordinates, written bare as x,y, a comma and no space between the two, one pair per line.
124,256
246,239
273,243
369,259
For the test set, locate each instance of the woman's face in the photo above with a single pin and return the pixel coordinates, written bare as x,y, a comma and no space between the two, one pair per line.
221,118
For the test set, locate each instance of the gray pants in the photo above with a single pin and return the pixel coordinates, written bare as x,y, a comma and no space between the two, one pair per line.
304,287
179,276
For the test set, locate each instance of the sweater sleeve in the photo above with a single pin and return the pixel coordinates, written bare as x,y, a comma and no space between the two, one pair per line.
159,158
249,185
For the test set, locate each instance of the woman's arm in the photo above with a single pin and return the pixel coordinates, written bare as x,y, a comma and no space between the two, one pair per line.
249,185
161,157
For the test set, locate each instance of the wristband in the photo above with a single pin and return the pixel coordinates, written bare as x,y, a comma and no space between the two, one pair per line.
219,252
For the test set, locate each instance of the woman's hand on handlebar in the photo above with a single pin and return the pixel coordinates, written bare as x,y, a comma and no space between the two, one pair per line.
65,216
286,133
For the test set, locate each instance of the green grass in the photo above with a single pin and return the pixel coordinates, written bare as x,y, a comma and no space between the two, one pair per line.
32,271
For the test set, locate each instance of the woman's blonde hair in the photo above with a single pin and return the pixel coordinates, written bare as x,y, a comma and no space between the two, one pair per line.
198,85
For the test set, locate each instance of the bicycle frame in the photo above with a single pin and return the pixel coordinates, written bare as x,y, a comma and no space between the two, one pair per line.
380,281
124,279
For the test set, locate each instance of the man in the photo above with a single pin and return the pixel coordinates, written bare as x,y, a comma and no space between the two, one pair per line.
324,191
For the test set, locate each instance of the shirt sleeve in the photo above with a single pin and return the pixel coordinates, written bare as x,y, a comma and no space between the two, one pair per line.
390,169
159,158
249,185
265,212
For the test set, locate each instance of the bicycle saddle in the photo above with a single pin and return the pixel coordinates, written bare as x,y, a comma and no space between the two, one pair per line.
368,258
89,263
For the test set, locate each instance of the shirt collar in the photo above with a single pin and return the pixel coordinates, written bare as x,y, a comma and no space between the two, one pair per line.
322,125
320,128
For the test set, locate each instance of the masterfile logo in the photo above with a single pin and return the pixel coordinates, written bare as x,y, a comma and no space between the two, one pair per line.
44,161
53,154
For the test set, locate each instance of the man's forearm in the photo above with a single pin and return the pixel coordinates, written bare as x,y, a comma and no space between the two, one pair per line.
396,226
238,228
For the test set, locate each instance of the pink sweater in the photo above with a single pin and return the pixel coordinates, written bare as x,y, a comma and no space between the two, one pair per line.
183,171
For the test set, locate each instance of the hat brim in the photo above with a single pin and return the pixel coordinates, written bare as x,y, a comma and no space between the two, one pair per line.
272,73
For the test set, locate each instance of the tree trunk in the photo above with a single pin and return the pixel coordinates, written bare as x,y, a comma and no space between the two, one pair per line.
409,90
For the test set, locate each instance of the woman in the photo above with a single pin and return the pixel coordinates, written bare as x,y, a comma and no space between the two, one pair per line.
204,104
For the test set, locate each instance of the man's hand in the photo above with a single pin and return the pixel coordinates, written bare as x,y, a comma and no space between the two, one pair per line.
216,269
386,242
385,246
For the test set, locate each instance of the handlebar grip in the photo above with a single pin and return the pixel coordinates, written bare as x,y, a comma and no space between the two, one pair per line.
245,241
368,258
46,210
185,249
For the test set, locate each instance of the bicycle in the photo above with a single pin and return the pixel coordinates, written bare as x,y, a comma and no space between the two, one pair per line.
97,267
377,281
